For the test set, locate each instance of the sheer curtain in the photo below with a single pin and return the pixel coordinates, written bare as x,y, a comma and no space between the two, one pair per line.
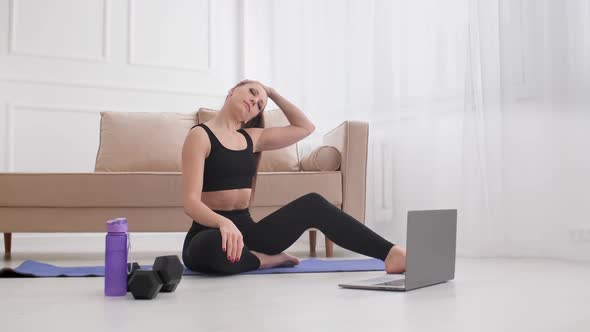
476,105
525,129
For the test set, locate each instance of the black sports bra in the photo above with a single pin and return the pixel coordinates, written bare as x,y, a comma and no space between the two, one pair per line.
225,168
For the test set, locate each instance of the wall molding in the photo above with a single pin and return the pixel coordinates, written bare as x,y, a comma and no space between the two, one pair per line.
12,49
130,54
61,109
12,108
94,85
241,38
9,137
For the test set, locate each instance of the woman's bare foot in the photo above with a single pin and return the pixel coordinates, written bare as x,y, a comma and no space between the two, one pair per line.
280,260
395,262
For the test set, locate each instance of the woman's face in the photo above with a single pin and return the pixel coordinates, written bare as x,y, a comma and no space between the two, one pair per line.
249,100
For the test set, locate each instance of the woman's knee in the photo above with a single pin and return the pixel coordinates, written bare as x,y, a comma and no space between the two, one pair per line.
205,240
315,201
313,197
307,202
204,254
202,250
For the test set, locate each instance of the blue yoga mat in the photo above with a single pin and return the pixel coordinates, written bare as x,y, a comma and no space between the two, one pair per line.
31,268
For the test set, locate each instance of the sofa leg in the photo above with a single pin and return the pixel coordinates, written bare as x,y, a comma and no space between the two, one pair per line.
329,248
312,243
7,244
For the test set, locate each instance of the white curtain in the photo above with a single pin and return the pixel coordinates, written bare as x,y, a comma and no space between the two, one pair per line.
476,105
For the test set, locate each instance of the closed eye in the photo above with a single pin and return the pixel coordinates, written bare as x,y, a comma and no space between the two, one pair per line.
255,93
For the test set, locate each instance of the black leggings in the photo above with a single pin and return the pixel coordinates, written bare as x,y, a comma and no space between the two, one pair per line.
276,232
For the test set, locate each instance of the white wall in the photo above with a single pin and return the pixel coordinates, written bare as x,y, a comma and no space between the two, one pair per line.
64,61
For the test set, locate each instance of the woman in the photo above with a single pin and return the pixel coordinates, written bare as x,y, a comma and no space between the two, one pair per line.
220,159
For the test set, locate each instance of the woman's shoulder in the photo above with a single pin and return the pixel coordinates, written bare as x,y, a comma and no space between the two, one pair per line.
199,134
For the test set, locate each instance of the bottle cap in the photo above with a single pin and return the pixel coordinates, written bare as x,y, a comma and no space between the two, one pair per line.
117,225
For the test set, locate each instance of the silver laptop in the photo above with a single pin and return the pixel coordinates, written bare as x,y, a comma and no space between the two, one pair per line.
430,253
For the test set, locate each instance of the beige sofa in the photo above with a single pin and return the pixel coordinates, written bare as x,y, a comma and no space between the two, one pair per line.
138,175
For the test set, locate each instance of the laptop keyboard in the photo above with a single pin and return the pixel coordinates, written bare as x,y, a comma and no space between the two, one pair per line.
398,282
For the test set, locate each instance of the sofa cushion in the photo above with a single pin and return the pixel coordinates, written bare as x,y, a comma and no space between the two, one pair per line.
280,160
270,187
142,141
323,158
149,189
93,219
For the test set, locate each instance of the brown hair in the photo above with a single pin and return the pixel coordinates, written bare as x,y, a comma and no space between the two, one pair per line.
255,122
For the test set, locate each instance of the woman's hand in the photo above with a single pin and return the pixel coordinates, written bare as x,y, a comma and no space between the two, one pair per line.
231,240
268,89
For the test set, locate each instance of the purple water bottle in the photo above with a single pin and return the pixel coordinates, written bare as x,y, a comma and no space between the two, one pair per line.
115,267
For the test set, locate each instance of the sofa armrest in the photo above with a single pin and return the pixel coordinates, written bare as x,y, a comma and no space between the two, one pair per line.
351,138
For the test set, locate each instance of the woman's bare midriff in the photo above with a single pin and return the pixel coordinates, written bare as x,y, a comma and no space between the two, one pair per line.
231,199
